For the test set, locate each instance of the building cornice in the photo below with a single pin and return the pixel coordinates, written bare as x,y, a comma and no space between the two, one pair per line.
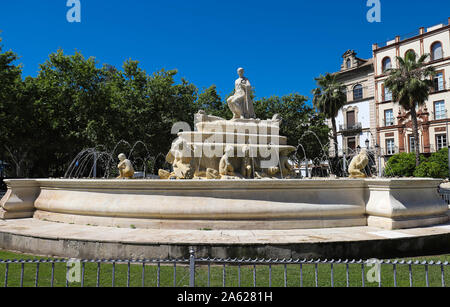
399,42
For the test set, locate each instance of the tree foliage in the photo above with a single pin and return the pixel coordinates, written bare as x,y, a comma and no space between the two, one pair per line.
330,97
401,165
74,103
434,167
303,127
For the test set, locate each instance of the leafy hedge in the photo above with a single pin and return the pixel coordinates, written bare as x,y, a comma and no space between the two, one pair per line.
404,165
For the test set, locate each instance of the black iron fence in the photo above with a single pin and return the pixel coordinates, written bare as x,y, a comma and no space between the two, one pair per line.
206,272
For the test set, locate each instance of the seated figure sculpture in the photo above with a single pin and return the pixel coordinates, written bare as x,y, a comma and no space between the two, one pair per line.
247,162
225,167
287,169
358,164
125,167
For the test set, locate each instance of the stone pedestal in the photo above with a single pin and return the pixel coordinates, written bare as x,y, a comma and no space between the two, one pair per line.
18,202
240,148
405,203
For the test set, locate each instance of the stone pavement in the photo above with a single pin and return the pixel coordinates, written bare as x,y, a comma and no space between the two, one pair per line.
57,239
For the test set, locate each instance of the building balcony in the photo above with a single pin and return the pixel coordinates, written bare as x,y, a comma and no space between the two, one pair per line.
350,128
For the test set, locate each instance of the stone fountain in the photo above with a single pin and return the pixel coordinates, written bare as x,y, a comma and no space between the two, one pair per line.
230,174
241,148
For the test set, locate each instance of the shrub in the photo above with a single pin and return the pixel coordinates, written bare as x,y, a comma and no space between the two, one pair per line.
435,167
402,165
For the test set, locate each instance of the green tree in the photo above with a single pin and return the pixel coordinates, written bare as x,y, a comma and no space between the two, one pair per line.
210,102
410,85
75,109
330,97
86,106
17,127
301,124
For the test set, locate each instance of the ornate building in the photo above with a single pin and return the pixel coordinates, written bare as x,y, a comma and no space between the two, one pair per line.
355,120
372,119
393,123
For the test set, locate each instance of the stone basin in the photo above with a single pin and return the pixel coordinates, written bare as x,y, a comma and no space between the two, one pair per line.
228,204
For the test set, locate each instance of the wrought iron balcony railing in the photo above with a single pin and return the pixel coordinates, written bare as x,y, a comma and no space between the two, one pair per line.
354,127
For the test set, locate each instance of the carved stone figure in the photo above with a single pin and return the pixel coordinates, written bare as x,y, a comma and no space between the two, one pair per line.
163,174
286,168
125,167
182,166
247,163
241,103
212,174
199,153
225,166
273,171
358,164
202,117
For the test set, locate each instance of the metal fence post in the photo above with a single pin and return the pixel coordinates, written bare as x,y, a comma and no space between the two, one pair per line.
191,268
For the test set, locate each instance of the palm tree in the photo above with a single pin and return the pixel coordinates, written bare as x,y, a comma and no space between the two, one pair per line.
410,85
329,98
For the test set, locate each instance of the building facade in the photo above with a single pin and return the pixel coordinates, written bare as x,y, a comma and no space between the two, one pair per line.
393,123
355,122
372,119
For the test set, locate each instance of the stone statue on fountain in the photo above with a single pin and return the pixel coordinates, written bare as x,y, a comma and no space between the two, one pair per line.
125,167
241,103
241,148
358,165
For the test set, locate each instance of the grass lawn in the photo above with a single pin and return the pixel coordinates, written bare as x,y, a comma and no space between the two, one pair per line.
149,275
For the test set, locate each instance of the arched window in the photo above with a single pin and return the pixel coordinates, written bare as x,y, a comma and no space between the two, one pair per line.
349,63
358,92
387,64
410,51
436,51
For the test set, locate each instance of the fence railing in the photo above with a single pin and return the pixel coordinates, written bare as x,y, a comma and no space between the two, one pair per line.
445,194
354,127
206,272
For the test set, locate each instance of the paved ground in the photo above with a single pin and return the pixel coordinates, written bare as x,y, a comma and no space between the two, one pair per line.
47,238
42,229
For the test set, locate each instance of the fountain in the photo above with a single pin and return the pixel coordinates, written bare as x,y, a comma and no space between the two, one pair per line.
226,174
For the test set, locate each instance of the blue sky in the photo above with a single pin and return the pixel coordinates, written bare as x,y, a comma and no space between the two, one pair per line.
282,44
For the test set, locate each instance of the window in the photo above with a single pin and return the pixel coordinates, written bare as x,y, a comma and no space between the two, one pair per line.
412,144
387,64
351,144
387,94
410,51
436,51
439,81
390,147
389,117
358,92
349,63
351,120
441,141
439,110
